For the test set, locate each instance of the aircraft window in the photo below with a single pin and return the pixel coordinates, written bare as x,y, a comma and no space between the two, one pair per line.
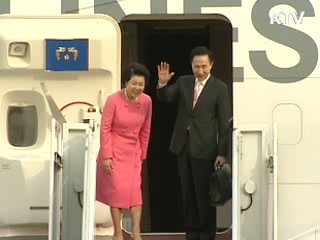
22,122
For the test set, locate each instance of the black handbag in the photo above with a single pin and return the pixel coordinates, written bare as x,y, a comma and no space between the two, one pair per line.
220,186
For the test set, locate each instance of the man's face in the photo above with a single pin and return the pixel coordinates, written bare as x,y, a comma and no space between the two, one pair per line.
201,66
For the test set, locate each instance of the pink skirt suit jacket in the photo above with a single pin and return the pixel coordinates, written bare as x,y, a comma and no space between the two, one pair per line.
124,137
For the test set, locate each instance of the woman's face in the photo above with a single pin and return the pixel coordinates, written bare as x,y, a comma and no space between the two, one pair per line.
135,86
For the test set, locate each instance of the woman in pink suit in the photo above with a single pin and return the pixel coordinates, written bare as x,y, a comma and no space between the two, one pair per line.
124,138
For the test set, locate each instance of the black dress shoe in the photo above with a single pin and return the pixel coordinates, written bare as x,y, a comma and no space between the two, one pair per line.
192,236
207,235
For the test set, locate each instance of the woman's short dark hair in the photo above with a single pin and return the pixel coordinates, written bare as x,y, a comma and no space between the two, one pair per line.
135,69
201,51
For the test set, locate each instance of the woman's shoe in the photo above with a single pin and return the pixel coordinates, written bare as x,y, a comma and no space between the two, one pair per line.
133,238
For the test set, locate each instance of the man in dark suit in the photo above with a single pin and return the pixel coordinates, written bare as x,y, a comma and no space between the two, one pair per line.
200,137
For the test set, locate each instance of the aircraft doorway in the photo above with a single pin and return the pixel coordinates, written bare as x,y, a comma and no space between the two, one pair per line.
150,40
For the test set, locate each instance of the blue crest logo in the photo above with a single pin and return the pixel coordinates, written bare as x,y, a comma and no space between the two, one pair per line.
67,55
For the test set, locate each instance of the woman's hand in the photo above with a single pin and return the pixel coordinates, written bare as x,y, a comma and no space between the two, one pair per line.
108,165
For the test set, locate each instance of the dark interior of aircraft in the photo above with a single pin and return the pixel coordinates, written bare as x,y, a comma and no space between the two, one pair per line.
151,41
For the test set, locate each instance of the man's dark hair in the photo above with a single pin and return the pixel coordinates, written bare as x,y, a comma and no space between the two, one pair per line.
135,69
201,51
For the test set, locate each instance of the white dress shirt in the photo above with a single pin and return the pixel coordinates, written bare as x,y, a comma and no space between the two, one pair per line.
203,83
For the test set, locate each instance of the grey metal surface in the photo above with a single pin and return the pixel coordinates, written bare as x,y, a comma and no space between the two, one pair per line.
73,170
55,202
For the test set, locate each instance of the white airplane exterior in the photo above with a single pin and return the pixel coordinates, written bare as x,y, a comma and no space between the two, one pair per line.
273,78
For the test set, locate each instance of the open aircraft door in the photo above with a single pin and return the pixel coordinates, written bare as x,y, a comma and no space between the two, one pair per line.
274,162
55,181
236,229
252,190
78,60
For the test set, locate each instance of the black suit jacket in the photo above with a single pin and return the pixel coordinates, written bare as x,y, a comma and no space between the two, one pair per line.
207,121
